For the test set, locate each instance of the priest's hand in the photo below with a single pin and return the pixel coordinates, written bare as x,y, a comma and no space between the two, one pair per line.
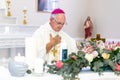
53,41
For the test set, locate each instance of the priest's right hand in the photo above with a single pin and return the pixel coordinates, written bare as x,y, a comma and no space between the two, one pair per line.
53,42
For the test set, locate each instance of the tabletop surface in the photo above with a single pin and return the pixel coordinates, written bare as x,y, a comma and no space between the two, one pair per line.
84,75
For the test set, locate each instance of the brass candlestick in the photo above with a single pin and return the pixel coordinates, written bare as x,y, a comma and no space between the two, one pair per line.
8,8
25,17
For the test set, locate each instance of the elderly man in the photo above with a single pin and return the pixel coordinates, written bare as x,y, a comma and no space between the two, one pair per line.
49,38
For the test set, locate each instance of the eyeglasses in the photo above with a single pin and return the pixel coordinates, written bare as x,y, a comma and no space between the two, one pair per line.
59,23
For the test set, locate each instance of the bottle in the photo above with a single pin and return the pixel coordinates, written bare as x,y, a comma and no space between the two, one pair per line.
63,51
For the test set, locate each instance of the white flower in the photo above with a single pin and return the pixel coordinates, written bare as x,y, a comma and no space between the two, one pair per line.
116,47
89,57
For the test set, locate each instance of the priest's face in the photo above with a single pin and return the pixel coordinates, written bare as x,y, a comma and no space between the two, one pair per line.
58,22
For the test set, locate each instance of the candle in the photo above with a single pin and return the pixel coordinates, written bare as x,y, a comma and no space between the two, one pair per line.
38,65
63,51
25,8
30,51
7,29
19,58
17,66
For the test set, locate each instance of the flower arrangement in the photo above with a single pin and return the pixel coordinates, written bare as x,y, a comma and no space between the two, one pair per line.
102,56
70,68
97,55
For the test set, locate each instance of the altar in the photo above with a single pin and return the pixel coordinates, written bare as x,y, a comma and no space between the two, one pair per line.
84,75
13,38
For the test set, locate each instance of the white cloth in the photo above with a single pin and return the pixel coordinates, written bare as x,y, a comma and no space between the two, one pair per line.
42,36
5,75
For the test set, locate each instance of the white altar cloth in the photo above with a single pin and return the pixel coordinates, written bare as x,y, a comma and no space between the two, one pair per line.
5,75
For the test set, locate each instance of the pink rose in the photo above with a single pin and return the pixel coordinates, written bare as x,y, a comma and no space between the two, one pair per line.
90,49
118,44
95,53
59,64
117,67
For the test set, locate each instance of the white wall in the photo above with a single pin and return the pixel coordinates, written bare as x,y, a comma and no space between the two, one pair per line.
2,4
76,12
105,15
106,18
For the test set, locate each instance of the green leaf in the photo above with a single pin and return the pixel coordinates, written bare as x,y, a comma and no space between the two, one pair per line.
29,71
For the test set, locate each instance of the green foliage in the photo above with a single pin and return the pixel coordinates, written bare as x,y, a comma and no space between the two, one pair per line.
71,67
99,63
29,71
105,60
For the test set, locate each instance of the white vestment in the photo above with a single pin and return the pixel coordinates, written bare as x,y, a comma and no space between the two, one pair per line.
42,37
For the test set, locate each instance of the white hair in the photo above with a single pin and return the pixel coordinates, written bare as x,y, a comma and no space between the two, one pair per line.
53,16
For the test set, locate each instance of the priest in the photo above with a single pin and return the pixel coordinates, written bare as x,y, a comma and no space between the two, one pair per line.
51,39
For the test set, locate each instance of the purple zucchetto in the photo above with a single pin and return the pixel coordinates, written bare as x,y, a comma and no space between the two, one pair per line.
57,11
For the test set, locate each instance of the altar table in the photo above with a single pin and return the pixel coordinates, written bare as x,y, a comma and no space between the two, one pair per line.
84,75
